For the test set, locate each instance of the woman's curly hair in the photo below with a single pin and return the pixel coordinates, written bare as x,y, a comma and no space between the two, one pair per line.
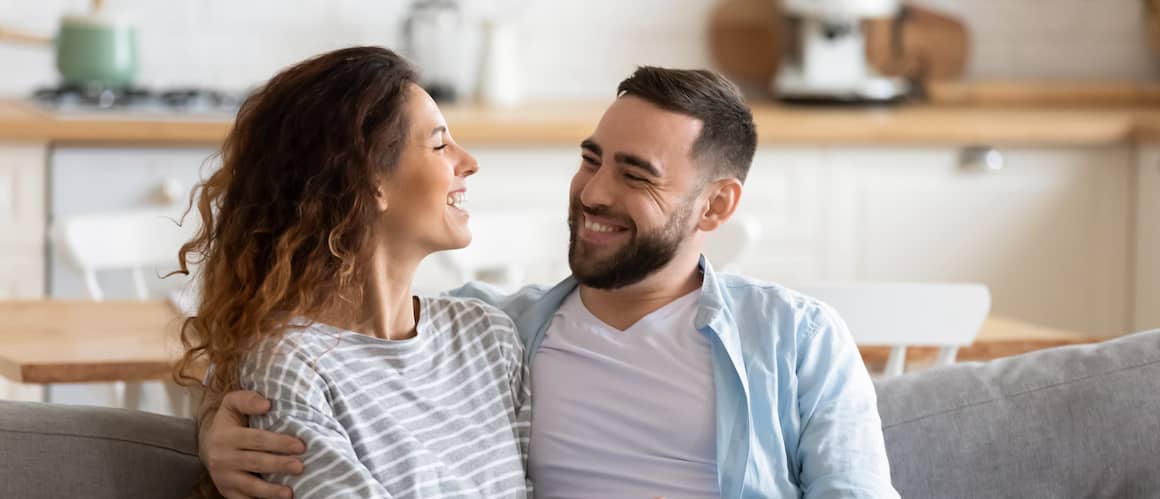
287,220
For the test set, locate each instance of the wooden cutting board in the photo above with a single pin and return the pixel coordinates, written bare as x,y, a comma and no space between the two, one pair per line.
1152,11
932,45
744,42
747,39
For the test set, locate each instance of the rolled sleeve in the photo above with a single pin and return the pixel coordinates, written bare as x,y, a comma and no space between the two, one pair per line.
841,450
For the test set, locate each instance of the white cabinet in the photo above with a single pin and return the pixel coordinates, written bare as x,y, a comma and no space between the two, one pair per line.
1050,233
22,219
785,191
1147,303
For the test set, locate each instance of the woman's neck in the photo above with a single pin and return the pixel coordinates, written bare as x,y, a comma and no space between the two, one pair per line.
387,301
387,309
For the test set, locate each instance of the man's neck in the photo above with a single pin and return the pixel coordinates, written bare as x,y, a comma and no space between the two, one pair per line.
623,307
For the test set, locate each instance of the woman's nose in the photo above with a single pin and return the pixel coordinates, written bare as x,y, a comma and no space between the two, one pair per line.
467,165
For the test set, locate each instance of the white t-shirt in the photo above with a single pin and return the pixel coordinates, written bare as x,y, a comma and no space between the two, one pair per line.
624,414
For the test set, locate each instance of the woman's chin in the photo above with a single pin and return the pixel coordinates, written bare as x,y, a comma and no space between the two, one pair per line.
460,239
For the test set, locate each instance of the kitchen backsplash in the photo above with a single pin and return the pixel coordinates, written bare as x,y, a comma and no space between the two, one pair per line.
569,49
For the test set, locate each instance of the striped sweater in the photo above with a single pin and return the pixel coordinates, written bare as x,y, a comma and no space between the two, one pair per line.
443,414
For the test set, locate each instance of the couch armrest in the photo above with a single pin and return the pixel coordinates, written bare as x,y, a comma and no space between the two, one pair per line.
1077,421
74,451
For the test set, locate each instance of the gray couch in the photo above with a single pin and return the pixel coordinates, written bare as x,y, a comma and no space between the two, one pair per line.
1067,422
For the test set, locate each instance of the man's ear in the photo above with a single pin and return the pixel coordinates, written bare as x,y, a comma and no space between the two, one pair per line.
723,196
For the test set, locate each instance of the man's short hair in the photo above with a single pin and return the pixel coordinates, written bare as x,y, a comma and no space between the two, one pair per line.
728,135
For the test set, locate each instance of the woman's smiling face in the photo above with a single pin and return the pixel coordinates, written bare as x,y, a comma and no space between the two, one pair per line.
426,192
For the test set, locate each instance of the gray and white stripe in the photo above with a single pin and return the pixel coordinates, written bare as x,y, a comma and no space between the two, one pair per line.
444,414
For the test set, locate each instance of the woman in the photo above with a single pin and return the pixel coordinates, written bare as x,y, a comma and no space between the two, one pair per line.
339,177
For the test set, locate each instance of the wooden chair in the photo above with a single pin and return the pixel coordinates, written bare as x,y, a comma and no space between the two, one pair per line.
131,241
728,245
898,315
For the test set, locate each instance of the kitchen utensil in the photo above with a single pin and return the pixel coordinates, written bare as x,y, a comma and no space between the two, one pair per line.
828,62
747,40
433,40
500,78
92,50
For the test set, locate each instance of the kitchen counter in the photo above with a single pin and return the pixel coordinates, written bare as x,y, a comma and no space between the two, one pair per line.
959,114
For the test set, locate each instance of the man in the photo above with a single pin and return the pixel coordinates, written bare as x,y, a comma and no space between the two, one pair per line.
652,375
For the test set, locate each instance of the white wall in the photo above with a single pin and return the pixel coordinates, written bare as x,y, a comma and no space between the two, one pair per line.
570,48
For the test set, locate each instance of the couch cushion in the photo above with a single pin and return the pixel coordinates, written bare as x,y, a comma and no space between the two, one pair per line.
1080,421
72,451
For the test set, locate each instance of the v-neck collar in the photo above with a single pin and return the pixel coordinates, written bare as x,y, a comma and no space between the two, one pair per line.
656,315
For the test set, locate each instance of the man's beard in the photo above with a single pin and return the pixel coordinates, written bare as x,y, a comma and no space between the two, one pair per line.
641,257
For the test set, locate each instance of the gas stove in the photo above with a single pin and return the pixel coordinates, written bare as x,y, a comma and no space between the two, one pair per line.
140,102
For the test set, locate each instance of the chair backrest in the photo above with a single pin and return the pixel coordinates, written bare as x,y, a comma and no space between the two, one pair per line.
127,240
726,246
945,315
509,249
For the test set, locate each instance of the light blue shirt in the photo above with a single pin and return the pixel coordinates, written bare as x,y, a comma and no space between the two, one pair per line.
797,415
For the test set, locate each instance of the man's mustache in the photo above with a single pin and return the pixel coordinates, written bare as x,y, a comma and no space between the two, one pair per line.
599,211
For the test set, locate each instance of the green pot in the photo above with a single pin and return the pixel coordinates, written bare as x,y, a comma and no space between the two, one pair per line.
96,51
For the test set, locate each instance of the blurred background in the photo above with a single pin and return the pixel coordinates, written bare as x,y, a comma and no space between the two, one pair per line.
909,152
567,50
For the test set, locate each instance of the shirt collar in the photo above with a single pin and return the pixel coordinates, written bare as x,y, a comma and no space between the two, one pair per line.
715,315
712,310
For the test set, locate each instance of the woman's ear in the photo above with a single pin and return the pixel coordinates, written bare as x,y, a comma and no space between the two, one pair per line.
381,196
723,197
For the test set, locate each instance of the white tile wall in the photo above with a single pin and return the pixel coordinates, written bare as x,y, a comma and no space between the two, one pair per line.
570,49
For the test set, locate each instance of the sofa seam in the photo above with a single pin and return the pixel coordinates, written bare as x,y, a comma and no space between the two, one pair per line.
109,439
1020,394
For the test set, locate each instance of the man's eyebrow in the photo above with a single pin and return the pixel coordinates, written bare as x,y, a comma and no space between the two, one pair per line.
591,146
637,161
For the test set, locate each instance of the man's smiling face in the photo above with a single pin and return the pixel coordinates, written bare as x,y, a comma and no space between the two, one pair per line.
633,197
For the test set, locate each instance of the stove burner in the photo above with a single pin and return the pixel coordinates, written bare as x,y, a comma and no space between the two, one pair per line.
197,97
92,96
95,98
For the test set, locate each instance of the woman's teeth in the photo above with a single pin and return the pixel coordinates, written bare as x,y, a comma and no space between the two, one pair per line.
598,227
457,199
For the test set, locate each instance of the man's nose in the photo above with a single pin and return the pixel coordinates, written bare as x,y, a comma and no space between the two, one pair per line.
599,190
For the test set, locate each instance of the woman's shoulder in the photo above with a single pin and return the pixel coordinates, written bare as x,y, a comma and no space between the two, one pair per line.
466,308
289,367
470,315
294,347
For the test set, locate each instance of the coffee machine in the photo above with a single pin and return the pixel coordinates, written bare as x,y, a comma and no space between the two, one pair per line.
826,56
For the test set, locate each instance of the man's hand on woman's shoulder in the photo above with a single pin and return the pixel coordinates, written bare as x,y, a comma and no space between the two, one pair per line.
233,452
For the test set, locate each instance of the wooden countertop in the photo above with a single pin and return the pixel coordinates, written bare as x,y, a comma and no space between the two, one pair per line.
54,341
994,114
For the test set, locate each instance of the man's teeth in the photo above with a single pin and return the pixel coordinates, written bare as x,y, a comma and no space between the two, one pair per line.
598,227
457,199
